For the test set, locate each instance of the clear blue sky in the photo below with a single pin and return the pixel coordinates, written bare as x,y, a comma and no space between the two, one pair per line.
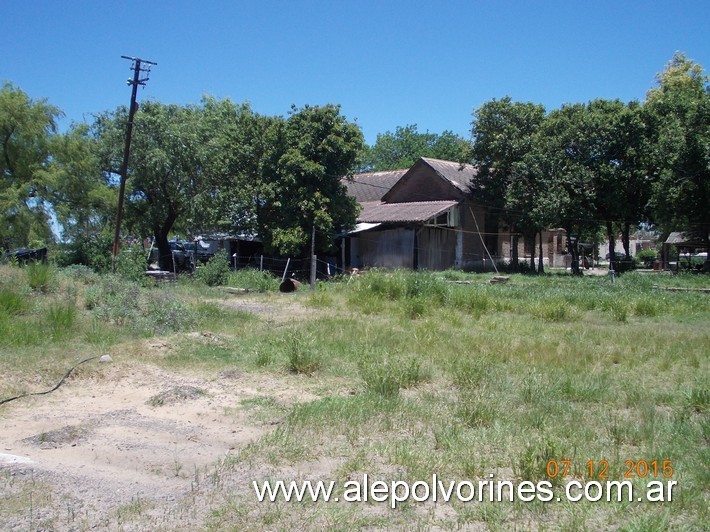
387,63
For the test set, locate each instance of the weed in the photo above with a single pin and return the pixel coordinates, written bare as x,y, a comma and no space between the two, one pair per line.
619,312
216,271
12,301
40,277
60,316
253,279
385,375
301,352
646,306
476,410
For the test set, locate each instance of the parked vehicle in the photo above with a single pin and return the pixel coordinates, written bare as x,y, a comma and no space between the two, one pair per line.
183,260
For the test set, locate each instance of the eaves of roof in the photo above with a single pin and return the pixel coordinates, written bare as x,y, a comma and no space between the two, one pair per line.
413,212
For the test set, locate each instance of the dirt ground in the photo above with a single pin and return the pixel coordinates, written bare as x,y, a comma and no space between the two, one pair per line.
126,438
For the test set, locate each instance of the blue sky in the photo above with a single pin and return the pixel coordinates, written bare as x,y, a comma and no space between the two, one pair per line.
387,63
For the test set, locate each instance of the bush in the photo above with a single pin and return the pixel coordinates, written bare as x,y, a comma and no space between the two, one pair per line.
131,264
216,271
647,256
93,251
253,279
81,273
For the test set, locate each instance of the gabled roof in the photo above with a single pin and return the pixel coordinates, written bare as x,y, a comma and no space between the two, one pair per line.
372,186
419,211
459,174
454,179
685,239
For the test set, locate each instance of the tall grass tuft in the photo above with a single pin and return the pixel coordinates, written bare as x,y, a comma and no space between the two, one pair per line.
60,318
12,301
40,277
385,375
253,279
301,352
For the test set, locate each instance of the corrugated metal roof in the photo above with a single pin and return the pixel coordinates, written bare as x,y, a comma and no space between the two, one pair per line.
420,211
459,174
372,186
685,238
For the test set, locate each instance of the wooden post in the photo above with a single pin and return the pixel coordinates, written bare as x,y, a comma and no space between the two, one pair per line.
313,257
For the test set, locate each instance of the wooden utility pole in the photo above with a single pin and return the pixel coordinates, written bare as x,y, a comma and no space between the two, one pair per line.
137,68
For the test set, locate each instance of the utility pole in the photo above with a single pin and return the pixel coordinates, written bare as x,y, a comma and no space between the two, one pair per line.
139,66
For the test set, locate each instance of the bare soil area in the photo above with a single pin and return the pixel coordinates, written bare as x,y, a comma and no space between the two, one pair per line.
126,439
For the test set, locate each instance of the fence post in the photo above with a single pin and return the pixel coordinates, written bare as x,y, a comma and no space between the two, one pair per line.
314,258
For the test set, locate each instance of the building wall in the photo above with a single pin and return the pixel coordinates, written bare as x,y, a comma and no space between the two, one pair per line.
392,248
436,248
473,230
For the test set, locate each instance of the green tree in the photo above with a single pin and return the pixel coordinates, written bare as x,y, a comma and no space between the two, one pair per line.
83,201
504,133
401,149
678,115
563,191
26,130
244,149
617,157
167,158
305,195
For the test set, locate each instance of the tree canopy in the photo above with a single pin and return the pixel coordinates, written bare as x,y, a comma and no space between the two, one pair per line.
677,113
319,147
401,149
26,128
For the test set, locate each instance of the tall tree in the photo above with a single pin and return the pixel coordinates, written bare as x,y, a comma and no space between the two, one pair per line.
83,201
504,133
616,157
678,114
565,194
165,169
26,129
242,158
305,196
401,149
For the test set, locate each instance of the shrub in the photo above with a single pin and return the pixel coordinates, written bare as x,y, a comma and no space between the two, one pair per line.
165,313
253,279
216,271
93,251
647,256
131,264
81,274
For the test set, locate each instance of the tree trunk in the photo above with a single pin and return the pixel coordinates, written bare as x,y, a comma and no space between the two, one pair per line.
165,259
626,238
612,244
540,267
531,245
